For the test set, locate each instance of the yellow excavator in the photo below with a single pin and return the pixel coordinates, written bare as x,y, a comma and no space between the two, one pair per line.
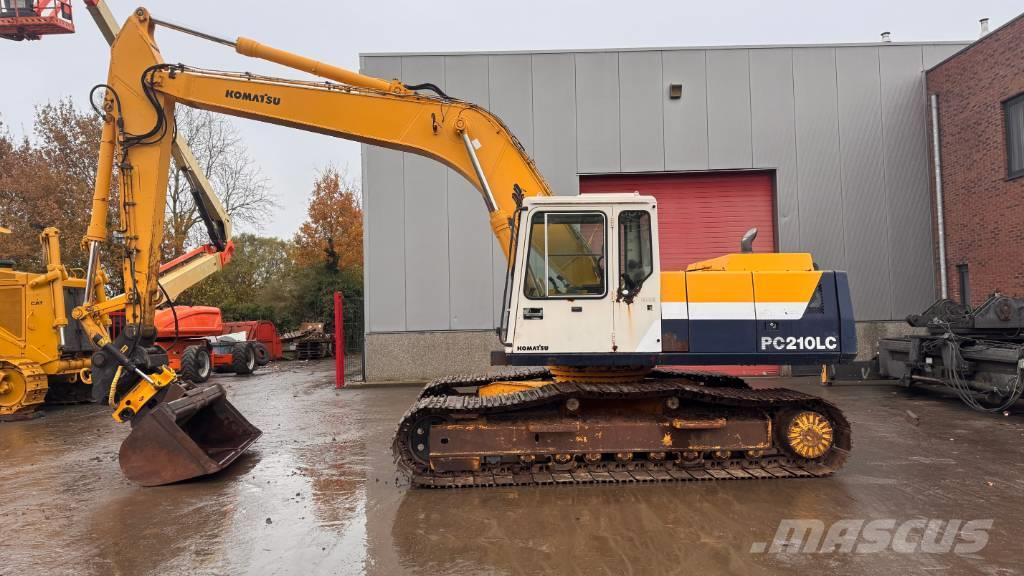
585,296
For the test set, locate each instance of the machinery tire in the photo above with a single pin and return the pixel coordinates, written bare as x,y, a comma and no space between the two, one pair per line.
262,354
243,358
196,364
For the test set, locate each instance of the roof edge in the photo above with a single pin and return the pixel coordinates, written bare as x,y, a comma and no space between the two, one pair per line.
665,48
976,42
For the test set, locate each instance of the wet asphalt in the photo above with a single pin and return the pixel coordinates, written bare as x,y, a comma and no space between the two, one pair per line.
318,494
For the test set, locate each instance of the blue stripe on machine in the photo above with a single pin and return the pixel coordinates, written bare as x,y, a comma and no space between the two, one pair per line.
723,336
675,335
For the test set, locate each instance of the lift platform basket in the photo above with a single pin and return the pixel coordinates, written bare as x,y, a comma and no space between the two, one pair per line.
33,19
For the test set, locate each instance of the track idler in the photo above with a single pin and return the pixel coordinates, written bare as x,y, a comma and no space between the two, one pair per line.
185,434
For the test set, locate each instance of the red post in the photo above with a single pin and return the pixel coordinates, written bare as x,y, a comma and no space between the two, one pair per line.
339,342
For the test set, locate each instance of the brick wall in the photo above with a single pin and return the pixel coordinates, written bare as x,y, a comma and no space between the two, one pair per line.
984,212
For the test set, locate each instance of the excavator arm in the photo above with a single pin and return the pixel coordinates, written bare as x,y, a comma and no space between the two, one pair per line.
189,269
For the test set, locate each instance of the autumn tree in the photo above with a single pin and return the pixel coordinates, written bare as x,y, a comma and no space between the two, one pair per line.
22,197
235,177
333,231
48,181
256,284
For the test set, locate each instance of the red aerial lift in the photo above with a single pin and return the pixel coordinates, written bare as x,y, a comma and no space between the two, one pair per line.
33,19
185,332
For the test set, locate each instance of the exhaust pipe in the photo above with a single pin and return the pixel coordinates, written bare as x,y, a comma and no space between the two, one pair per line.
747,242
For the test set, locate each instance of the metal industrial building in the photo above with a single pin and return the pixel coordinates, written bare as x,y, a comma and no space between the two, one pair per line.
824,148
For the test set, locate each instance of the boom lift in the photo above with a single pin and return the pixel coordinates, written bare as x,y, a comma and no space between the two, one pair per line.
585,295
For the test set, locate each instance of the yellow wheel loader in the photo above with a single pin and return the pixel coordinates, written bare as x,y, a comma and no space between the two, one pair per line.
585,296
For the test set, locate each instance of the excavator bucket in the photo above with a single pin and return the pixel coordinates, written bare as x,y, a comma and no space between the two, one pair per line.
190,433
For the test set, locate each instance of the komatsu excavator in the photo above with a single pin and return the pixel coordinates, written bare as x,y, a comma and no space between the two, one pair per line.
585,296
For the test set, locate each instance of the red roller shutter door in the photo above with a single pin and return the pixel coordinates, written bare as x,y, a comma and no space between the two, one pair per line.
701,216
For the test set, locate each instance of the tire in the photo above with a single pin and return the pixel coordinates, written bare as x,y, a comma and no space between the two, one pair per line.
196,364
243,358
262,354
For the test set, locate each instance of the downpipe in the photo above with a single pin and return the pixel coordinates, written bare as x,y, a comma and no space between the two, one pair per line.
940,220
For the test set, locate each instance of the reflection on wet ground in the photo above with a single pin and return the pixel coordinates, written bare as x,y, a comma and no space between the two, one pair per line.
317,494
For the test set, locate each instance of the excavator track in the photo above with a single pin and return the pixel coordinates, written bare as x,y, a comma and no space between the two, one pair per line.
691,406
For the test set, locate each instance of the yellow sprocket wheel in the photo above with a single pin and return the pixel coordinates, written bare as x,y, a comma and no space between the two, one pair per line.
809,435
22,387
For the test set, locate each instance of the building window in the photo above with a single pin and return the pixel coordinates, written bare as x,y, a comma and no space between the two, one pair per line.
965,284
1013,109
636,259
567,255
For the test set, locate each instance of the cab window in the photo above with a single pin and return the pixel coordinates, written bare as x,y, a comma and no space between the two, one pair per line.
636,262
566,255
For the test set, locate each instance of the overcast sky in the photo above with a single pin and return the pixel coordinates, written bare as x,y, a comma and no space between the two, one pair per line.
338,31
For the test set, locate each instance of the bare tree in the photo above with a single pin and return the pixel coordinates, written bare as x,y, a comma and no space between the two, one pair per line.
237,180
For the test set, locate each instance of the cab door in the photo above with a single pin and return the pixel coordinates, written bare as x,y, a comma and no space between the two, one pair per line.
637,304
565,301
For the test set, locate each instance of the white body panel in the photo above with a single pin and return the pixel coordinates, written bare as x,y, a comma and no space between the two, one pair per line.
638,324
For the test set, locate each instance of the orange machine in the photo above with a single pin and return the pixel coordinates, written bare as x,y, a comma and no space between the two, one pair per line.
187,332
264,334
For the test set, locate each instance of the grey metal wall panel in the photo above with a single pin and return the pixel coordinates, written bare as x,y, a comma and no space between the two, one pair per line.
773,136
864,216
511,94
554,121
904,117
511,98
686,119
426,221
817,142
597,112
729,109
384,209
935,53
470,255
641,97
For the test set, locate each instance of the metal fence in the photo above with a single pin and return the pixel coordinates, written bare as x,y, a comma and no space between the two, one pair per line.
354,326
